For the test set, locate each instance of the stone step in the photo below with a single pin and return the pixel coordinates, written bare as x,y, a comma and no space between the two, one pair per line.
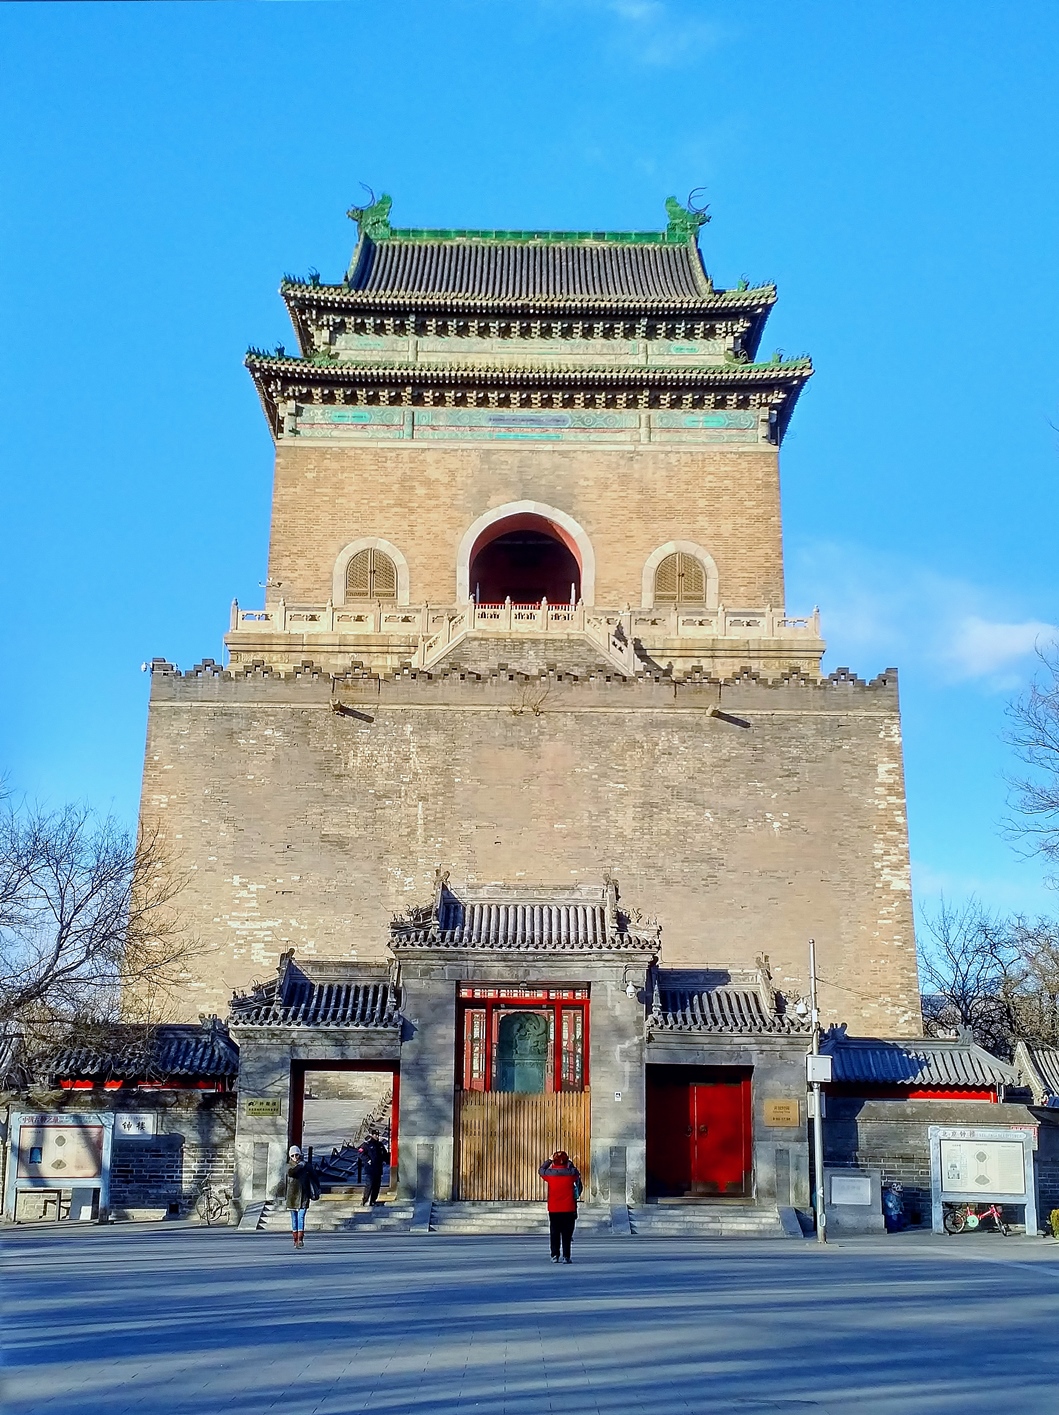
342,1217
499,1218
706,1221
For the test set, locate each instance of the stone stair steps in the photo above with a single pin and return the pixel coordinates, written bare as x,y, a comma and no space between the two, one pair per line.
335,1216
501,1218
706,1221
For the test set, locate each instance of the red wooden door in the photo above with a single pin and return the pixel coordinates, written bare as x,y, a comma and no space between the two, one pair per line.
719,1119
668,1136
698,1131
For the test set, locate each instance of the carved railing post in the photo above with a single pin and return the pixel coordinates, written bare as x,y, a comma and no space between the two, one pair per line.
507,614
281,615
233,622
329,616
542,618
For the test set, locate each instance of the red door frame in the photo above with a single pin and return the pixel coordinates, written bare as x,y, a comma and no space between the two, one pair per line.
296,1119
495,1001
678,1100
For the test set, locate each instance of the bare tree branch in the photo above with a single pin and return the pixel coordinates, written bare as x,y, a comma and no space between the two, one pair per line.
90,933
1034,734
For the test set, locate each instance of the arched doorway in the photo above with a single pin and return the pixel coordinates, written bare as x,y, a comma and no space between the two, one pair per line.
525,558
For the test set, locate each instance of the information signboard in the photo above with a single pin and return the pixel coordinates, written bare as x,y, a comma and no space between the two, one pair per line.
971,1165
62,1153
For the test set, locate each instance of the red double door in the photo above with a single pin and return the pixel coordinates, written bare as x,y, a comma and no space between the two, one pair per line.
698,1131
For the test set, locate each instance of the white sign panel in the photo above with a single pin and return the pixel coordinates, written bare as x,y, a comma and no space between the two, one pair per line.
133,1124
851,1189
986,1166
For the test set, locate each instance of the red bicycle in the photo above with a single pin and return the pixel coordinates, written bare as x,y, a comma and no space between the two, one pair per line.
964,1218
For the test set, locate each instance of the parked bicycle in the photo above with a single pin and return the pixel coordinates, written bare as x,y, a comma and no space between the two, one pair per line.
965,1218
213,1204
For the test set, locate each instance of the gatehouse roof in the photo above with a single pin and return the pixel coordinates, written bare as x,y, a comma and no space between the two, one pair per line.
328,994
524,921
686,1000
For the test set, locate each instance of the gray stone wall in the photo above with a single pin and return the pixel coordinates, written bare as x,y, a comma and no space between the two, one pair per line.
892,1136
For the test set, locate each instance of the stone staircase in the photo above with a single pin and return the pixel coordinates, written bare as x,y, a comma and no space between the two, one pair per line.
707,1221
341,1215
593,1220
345,1214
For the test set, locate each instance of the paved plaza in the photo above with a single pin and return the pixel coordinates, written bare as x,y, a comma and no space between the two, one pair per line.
167,1319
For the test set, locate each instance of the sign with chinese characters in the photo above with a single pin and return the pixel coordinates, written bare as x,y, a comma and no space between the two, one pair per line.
782,1112
263,1106
993,1166
132,1125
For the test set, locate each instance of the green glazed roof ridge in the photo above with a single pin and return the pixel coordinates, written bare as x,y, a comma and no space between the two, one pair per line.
415,235
373,223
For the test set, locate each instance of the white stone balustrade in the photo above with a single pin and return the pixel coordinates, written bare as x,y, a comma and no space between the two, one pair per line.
663,622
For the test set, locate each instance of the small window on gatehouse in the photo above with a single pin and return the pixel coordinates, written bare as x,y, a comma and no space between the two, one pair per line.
371,574
680,579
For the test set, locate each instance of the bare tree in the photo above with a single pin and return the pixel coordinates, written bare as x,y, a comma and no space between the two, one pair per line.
996,978
964,958
1031,984
1034,734
90,936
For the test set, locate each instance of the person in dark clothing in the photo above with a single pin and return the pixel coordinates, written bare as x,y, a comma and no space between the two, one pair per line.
302,1188
564,1190
374,1156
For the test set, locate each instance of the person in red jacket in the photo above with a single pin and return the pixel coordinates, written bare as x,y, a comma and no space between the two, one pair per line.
564,1190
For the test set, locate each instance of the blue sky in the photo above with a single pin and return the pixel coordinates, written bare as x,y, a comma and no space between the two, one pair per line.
893,166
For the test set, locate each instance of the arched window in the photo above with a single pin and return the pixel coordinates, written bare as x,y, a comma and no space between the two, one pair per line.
680,579
371,574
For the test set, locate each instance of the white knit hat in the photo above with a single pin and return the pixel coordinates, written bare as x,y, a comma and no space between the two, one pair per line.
294,1153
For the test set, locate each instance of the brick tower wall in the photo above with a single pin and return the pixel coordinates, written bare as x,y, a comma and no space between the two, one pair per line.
744,833
629,501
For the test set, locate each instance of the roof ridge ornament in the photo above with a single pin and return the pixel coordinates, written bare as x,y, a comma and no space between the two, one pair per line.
684,221
373,220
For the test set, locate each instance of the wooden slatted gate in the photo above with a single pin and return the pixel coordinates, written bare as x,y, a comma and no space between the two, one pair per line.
502,1137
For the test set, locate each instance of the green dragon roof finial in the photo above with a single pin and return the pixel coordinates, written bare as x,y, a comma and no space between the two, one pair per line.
373,220
684,221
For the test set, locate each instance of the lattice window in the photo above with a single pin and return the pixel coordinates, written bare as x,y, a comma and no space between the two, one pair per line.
371,575
680,579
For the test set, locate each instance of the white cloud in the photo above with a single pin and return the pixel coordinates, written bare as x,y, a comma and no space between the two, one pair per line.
981,648
876,607
661,37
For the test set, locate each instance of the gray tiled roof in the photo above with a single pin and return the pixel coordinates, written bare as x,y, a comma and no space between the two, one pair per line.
679,1005
531,270
1038,1068
205,1051
334,997
537,922
916,1062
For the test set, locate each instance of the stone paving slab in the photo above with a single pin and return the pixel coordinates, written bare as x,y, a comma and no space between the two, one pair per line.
170,1320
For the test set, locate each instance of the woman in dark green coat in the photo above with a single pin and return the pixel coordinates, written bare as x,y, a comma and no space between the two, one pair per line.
301,1190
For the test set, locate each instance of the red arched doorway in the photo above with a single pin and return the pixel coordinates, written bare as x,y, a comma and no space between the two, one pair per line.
525,558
